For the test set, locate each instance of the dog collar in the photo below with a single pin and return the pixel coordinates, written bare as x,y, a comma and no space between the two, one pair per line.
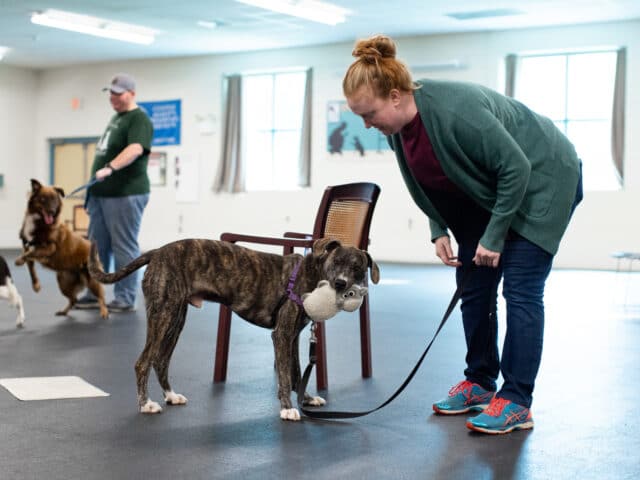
292,280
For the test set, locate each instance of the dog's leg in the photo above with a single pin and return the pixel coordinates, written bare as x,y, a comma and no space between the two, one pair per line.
143,365
163,326
161,363
39,253
296,377
15,300
284,336
98,290
68,282
24,257
35,281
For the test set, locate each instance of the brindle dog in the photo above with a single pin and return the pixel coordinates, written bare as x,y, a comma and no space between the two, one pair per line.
47,240
251,283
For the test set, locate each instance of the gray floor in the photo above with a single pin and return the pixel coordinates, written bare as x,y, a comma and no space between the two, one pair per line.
583,408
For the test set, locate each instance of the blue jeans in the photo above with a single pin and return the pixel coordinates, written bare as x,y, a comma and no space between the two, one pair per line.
524,267
114,226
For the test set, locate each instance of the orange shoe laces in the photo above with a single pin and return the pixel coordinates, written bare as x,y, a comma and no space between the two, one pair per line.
496,406
463,386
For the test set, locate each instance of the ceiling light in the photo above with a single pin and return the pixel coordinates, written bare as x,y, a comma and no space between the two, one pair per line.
207,24
99,27
309,9
498,12
3,51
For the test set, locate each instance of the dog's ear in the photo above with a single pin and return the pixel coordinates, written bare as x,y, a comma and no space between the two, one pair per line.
324,246
60,191
35,185
375,271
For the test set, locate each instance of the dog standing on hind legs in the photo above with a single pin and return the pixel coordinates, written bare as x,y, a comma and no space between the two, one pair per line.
9,291
50,242
253,284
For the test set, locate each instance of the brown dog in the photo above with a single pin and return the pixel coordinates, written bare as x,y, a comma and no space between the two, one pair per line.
47,240
253,284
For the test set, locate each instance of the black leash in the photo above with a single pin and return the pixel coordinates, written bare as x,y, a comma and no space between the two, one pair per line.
82,187
312,360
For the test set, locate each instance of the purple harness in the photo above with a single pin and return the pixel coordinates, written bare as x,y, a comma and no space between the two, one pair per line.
292,280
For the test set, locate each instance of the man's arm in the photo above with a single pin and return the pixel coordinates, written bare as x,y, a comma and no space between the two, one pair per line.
126,157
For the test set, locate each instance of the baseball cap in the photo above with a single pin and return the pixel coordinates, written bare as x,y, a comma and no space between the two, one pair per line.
120,83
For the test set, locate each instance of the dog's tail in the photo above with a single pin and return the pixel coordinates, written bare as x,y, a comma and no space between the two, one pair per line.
97,272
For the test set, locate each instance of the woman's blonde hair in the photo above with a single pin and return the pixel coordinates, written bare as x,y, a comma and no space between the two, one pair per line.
376,66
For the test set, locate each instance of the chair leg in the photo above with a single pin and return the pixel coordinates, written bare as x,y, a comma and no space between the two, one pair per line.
222,344
365,338
321,358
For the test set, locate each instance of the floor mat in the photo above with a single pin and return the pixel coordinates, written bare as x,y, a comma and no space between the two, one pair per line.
50,388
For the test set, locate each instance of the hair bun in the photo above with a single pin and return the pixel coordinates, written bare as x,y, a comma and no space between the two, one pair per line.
374,48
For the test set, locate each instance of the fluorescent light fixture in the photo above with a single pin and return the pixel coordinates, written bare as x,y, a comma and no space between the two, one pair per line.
3,51
309,9
98,27
207,24
498,12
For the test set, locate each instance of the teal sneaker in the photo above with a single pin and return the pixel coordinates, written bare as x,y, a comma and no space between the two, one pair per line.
464,397
501,416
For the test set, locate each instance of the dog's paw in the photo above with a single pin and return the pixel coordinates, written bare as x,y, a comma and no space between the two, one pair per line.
290,414
150,407
315,401
20,323
36,286
173,398
19,261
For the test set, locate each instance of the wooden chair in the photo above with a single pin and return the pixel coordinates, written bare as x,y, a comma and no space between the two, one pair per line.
345,214
80,220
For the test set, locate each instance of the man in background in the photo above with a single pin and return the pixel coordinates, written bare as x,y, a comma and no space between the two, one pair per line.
116,202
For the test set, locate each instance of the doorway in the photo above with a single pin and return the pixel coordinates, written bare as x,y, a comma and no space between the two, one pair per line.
71,160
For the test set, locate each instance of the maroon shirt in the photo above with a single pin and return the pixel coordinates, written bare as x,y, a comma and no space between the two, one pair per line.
466,219
421,158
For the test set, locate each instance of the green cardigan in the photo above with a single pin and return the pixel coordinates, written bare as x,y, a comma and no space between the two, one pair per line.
509,160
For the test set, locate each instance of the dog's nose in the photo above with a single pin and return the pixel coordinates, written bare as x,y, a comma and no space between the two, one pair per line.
339,285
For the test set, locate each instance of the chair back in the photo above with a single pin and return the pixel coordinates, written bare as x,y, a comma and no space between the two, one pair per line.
345,213
80,221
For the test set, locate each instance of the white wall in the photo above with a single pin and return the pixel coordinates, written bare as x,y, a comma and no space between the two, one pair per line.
605,221
18,103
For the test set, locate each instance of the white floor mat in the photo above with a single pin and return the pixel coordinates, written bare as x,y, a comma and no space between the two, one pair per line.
50,388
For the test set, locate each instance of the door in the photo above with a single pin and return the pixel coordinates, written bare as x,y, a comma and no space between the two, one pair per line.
71,161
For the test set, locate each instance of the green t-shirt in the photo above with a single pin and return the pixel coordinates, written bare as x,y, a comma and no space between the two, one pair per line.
123,129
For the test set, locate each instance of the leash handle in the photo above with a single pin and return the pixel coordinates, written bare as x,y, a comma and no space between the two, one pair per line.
302,387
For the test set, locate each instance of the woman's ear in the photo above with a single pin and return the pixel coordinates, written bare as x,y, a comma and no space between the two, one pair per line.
395,97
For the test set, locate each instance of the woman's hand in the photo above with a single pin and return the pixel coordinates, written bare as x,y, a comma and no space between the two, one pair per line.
486,258
444,252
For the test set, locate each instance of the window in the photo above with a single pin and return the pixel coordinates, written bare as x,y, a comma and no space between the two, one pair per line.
272,119
576,91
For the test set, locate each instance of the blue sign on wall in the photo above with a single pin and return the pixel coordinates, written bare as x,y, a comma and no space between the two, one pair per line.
166,119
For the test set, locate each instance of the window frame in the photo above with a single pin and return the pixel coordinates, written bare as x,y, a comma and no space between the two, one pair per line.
566,121
274,134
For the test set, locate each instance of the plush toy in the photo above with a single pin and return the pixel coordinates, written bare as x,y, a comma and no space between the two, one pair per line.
324,302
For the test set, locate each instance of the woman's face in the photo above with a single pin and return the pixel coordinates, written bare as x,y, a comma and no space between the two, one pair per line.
381,113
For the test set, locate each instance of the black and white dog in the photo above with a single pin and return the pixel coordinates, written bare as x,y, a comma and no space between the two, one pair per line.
9,291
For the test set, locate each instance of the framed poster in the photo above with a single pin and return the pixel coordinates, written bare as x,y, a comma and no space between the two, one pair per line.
346,132
157,169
